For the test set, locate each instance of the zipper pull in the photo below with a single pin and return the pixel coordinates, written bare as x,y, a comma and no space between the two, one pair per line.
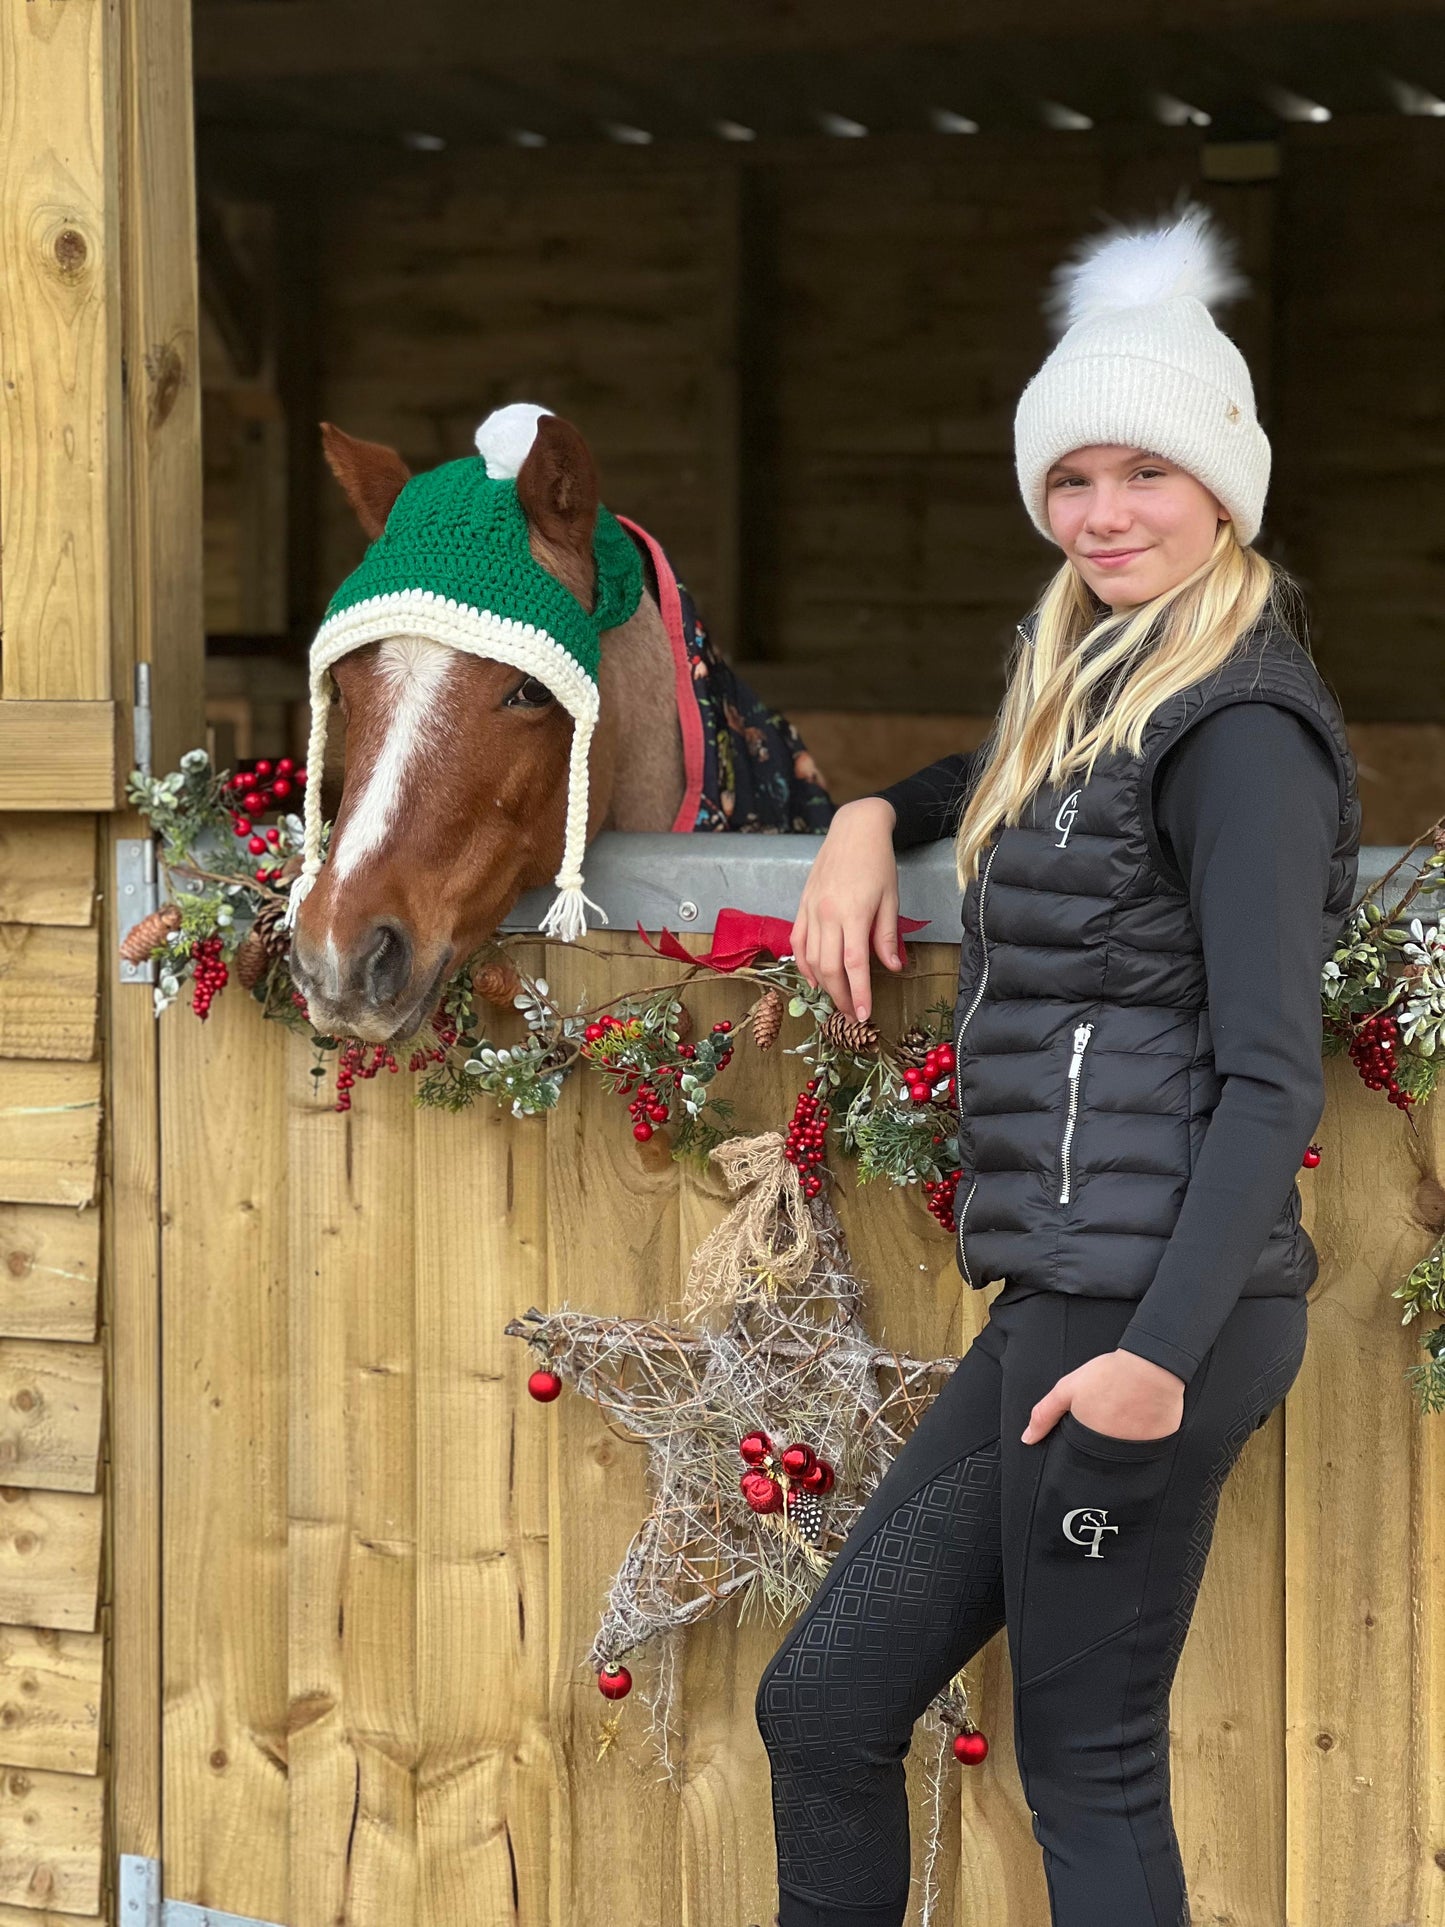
1082,1034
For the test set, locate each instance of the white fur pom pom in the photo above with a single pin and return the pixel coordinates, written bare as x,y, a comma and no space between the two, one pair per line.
1134,267
506,435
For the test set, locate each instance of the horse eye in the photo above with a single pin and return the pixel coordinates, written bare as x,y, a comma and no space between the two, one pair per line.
532,694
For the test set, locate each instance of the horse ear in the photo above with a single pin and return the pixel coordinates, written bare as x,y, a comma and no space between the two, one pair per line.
371,475
557,487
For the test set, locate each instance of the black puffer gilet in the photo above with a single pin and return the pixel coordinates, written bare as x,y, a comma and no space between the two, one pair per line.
1085,1067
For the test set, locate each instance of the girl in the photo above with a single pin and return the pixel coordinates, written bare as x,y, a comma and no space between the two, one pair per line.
1156,847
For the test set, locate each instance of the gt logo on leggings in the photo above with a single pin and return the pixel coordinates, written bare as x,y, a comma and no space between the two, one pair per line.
1094,1517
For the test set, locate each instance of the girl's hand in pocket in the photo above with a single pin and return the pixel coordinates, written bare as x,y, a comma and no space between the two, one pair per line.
1119,1393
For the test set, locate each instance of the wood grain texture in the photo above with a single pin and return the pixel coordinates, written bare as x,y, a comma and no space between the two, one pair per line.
49,1558
48,990
49,1271
62,470
51,1840
59,755
363,1502
50,1414
50,1687
224,1365
47,869
49,1132
1364,1473
352,1499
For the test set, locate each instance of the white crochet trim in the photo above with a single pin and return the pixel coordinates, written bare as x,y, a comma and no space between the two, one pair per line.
476,632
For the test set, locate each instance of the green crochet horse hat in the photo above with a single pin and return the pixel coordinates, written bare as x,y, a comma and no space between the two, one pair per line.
454,565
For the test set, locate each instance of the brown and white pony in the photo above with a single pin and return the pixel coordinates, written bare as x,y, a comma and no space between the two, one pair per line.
455,787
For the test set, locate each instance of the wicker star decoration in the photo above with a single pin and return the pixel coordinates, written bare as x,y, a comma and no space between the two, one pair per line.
791,1358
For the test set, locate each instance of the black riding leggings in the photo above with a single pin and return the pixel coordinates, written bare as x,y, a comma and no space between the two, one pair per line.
1090,1549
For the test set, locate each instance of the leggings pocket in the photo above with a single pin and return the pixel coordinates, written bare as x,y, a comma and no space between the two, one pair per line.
1090,1542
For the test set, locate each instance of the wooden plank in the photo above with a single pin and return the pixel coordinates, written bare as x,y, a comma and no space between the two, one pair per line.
59,756
47,870
224,1367
485,1788
49,1271
48,990
50,1687
163,396
62,469
354,1742
612,1242
1363,1625
238,39
50,1414
49,1558
49,1132
51,1840
131,1207
43,1917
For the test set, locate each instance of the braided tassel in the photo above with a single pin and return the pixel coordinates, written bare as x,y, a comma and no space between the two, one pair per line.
566,917
303,884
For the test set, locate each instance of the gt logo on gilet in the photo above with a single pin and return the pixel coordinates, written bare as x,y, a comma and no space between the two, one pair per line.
1094,1518
1064,821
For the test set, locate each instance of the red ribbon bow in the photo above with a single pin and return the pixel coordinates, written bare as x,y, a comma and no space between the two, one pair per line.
741,936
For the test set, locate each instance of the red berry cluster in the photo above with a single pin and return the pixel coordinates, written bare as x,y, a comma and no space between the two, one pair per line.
210,973
1372,1052
940,1194
354,1062
435,1053
931,1081
762,1484
648,1105
264,788
807,1134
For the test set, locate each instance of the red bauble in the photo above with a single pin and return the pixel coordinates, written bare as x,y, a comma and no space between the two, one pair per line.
798,1460
544,1385
762,1493
286,765
614,1682
818,1477
1311,1157
755,1447
970,1747
254,801
281,787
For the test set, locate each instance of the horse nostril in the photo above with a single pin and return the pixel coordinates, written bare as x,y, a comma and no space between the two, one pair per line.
386,970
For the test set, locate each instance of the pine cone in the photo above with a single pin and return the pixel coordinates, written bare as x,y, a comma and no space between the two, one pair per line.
850,1033
137,945
767,1017
913,1045
252,959
270,929
496,983
684,1024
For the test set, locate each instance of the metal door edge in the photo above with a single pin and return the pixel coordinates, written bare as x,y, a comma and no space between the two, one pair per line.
141,1904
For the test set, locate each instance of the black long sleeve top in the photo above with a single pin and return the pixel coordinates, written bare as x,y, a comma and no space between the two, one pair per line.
1247,804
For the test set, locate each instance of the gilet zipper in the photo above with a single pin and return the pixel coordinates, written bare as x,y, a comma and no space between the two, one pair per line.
959,1029
1082,1034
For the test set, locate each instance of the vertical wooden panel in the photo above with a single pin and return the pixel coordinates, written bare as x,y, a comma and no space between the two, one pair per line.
1363,1599
351,1504
225,1186
483,1775
61,469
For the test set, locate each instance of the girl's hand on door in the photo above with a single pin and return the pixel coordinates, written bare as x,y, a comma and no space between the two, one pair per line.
1119,1393
849,905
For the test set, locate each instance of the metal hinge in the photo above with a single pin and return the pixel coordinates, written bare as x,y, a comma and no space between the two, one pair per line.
141,1904
136,895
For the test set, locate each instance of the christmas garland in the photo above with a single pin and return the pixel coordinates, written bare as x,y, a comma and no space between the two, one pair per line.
888,1103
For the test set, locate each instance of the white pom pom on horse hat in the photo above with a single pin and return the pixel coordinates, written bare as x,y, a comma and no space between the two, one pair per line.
506,437
1134,267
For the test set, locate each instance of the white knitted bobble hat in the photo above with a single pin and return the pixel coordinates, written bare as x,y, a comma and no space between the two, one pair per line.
1141,364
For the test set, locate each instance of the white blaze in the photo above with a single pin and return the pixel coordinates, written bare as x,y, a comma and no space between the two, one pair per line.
415,673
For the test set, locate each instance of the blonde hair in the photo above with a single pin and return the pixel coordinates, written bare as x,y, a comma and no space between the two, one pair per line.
1089,679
